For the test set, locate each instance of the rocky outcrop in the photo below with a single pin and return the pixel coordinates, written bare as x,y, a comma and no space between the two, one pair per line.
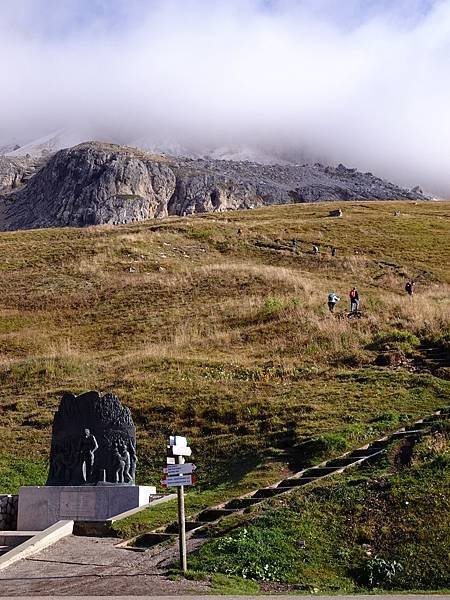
15,172
12,173
94,183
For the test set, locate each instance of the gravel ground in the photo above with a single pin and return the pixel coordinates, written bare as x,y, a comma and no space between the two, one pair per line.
83,566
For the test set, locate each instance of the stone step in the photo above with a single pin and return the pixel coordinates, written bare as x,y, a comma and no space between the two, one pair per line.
190,526
435,419
345,461
402,434
212,514
268,492
378,445
320,471
147,540
295,482
364,453
241,503
416,426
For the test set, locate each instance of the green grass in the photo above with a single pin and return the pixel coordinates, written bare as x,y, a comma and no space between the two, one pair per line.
381,527
224,337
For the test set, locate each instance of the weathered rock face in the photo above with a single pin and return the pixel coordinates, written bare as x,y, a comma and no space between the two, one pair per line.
12,173
94,183
89,185
15,172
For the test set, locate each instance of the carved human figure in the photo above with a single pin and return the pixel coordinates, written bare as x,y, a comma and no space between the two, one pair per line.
133,460
87,449
119,464
126,457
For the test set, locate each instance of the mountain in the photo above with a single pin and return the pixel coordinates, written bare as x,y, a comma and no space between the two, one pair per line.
46,145
7,148
16,171
96,183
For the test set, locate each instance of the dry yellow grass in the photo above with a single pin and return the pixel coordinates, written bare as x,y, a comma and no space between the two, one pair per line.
225,334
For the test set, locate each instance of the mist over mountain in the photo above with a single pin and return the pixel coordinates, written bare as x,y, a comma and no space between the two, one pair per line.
362,83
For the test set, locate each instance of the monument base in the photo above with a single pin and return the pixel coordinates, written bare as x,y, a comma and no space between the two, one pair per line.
40,507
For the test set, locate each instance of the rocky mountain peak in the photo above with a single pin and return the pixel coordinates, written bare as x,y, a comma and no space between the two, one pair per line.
95,183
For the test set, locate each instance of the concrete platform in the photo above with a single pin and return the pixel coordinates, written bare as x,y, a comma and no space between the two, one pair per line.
41,507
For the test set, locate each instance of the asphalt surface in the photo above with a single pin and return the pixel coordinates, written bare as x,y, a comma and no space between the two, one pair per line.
268,597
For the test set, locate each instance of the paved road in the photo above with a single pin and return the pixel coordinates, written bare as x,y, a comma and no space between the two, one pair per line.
78,566
266,597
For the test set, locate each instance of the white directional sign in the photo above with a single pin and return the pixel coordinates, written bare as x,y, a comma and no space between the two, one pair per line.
185,469
178,480
177,440
179,450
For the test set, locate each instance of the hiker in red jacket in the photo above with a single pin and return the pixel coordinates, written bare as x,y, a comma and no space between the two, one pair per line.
354,300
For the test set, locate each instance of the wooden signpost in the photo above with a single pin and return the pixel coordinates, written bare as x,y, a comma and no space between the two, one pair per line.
177,474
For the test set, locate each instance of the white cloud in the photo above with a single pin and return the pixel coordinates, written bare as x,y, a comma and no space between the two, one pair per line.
370,88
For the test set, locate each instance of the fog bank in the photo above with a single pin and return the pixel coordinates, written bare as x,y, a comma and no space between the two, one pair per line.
355,82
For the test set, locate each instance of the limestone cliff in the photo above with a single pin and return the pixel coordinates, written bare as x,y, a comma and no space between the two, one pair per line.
96,183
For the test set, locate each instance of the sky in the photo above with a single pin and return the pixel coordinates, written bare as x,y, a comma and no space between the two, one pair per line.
362,82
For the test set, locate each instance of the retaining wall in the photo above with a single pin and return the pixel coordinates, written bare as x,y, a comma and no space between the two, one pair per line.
8,512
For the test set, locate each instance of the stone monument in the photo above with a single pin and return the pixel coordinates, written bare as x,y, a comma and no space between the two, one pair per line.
93,441
92,465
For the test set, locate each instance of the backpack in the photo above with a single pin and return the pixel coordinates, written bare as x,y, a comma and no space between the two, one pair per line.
353,294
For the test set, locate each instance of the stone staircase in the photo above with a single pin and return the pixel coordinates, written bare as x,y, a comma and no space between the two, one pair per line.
198,524
433,358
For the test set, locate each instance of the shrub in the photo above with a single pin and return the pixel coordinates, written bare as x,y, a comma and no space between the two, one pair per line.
254,553
272,307
396,339
378,573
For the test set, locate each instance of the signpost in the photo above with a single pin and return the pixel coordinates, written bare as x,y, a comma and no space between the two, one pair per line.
177,474
185,469
178,481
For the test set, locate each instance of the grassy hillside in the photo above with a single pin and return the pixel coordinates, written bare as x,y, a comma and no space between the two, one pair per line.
216,326
380,527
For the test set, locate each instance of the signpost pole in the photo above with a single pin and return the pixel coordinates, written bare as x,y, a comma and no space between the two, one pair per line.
182,522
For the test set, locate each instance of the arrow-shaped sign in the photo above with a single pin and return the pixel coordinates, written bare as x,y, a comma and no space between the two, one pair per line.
185,469
178,481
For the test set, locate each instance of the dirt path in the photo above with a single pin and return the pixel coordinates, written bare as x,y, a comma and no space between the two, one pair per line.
94,566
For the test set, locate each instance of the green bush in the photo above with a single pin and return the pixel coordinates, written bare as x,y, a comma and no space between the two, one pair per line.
396,339
379,573
272,307
254,553
329,443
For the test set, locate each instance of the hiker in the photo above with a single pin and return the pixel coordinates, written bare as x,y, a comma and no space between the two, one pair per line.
315,250
409,288
332,300
354,300
333,250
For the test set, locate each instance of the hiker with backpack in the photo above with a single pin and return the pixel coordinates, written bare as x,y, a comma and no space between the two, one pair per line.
354,300
409,288
332,300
